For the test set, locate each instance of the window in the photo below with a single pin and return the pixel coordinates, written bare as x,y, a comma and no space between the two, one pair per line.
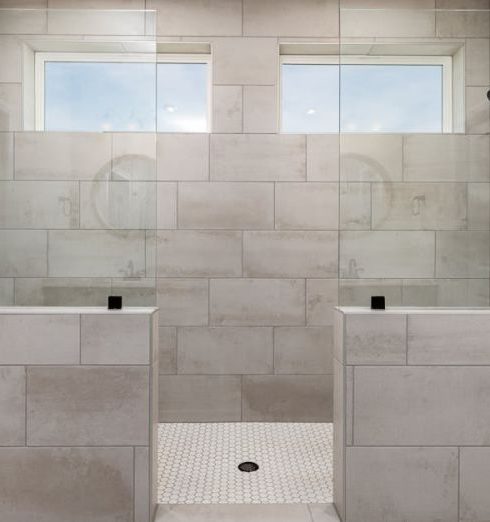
107,92
366,94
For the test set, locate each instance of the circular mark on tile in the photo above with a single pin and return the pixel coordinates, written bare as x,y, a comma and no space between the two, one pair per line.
248,466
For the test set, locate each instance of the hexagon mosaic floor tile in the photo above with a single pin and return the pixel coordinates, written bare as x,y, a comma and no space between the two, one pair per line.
198,463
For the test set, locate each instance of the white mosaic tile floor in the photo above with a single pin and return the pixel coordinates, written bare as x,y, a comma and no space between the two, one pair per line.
197,463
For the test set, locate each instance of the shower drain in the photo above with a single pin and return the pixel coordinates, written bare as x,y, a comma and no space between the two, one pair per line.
248,466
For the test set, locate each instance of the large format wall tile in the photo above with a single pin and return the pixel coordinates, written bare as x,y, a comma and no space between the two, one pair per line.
375,339
463,23
462,254
477,61
448,339
10,106
222,350
183,302
62,155
166,205
477,110
287,398
375,157
87,406
478,206
39,339
305,206
355,206
11,66
257,302
117,204
167,350
61,484
199,398
182,157
290,18
133,156
59,291
262,157
12,406
358,292
203,253
299,350
24,253
446,157
426,406
402,484
290,254
260,108
96,253
117,339
227,108
474,479
245,61
321,297
6,155
413,206
322,157
34,204
219,205
188,18
6,291
386,254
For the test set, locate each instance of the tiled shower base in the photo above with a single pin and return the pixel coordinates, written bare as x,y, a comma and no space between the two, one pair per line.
198,463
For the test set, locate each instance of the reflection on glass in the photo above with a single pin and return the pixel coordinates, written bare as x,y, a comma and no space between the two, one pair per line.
120,96
182,94
372,98
310,98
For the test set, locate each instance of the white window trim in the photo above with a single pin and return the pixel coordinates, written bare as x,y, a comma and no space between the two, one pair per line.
41,58
445,61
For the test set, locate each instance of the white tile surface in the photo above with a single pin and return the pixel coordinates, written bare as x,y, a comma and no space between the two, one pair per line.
198,463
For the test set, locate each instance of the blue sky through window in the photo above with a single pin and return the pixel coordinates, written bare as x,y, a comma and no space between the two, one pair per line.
122,96
363,98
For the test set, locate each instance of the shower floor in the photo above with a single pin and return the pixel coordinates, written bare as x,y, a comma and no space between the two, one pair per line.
198,463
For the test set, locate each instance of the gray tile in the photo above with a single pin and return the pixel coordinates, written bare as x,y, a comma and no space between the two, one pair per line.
90,483
462,254
6,155
478,206
477,111
257,302
299,350
321,297
219,205
183,302
234,350
166,205
323,513
117,204
386,254
474,479
6,291
290,254
422,405
322,157
167,350
24,253
11,103
39,339
260,108
358,292
245,61
448,339
133,156
446,157
419,206
55,291
135,291
287,398
117,339
339,437
11,67
182,157
278,18
355,206
199,398
306,206
477,61
460,23
12,406
142,503
233,513
258,157
62,156
96,253
402,484
189,253
375,338
77,406
227,108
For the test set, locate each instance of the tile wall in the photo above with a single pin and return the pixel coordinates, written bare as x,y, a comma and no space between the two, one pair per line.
246,238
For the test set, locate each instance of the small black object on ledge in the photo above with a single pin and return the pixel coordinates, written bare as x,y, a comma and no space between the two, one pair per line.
378,302
114,302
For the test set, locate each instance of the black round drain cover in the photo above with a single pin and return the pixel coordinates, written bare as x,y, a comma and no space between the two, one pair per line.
248,466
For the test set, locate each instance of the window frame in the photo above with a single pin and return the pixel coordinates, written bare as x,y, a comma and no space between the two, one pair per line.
41,58
324,59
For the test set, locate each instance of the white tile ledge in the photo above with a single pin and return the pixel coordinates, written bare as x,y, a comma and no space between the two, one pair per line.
403,310
70,310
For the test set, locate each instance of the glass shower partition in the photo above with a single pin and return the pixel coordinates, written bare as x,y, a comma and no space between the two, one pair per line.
414,125
78,157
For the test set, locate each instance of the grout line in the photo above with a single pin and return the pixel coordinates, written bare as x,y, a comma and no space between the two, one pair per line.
459,483
25,391
134,484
